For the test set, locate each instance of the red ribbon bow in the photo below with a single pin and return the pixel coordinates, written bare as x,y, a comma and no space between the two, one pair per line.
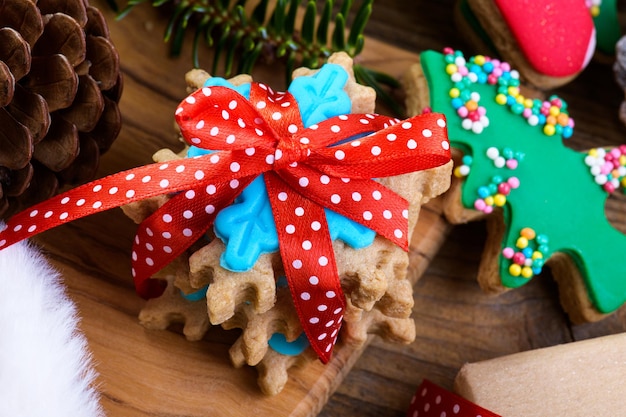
303,174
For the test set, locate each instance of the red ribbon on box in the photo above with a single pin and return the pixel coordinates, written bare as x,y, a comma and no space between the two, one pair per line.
305,170
431,400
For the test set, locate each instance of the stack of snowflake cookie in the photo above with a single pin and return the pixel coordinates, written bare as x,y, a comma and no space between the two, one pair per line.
236,275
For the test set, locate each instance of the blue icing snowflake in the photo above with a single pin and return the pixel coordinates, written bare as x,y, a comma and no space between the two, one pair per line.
322,96
248,229
247,226
243,89
279,343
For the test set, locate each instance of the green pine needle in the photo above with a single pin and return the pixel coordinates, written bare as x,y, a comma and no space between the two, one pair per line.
239,36
374,79
324,23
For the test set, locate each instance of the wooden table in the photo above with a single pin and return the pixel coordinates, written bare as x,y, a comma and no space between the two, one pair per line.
456,322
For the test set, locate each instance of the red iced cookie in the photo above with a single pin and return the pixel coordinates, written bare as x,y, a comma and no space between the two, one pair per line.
548,41
556,36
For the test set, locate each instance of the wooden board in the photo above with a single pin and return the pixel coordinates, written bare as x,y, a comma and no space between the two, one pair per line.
148,373
159,372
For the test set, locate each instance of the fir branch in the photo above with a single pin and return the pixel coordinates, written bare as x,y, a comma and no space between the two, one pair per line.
240,36
374,79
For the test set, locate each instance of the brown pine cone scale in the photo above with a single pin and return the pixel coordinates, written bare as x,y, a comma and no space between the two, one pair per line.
65,36
16,151
31,110
7,84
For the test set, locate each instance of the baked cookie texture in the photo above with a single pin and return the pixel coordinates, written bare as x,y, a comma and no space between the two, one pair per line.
547,55
201,292
543,202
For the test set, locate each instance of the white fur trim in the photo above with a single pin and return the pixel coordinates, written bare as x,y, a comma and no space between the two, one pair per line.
45,365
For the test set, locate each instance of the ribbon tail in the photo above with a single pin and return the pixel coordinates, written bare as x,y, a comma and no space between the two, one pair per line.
309,262
174,227
111,191
432,400
94,197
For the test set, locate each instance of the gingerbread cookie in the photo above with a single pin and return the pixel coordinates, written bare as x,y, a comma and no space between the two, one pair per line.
544,202
548,42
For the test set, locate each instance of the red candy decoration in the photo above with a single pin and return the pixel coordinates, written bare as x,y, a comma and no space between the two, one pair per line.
519,258
504,188
303,174
556,36
431,400
557,102
609,188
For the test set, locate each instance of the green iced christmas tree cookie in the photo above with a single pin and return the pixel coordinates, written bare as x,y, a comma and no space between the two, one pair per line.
543,201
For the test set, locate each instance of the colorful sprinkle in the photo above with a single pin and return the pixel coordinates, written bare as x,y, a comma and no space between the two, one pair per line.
528,233
495,193
594,7
505,158
527,258
550,115
608,167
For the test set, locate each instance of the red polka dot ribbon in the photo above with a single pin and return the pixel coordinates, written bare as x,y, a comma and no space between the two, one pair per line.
431,400
305,170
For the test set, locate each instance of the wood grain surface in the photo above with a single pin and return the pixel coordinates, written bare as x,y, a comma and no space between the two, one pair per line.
159,373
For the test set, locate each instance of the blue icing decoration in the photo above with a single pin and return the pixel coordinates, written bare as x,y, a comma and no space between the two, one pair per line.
281,282
247,226
196,295
194,151
279,343
243,89
321,96
352,233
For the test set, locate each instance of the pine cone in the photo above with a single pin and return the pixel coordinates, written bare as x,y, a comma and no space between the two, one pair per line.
60,85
